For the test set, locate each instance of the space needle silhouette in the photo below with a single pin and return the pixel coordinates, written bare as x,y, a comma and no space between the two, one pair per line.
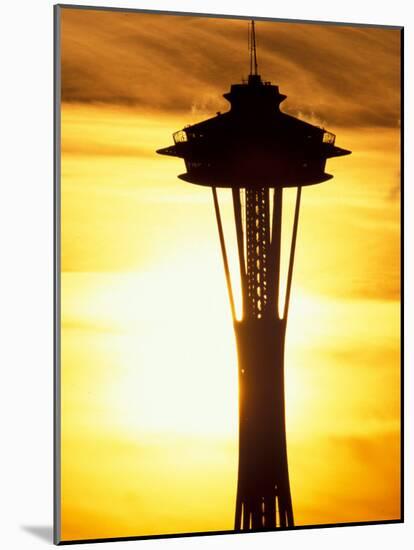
256,150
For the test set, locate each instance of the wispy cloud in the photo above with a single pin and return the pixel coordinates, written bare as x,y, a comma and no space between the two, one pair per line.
343,76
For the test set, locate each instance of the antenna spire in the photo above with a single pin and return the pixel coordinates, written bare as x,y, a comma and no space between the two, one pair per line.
252,48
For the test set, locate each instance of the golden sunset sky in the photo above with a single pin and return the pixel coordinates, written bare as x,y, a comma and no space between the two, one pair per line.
149,372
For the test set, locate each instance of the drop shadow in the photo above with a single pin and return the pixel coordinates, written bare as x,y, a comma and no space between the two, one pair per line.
44,532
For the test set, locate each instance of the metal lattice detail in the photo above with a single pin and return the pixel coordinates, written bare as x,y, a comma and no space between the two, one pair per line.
257,252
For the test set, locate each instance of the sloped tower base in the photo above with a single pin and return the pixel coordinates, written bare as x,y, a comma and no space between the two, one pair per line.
263,492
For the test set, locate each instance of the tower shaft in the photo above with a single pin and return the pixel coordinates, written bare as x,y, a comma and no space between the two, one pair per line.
263,491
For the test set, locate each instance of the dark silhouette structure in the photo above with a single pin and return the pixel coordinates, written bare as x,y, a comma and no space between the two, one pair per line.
257,150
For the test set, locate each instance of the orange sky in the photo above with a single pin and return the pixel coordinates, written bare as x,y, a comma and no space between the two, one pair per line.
142,280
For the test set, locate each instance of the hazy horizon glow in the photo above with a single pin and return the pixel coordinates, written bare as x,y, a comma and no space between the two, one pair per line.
149,379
